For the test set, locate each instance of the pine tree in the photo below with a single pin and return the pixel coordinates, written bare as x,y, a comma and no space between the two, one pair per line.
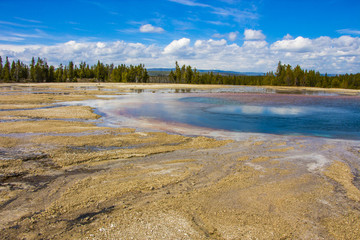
32,69
183,73
6,70
298,75
51,77
1,67
82,70
19,71
177,72
172,77
145,76
196,78
100,71
65,74
71,71
38,70
188,74
13,76
289,77
45,71
279,70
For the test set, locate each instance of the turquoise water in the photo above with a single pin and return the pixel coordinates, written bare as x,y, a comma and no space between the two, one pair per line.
330,116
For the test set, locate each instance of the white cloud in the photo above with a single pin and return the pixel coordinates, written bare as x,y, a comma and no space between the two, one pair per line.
332,55
218,35
349,31
12,24
235,13
299,44
232,36
177,46
255,45
11,38
148,28
190,3
288,37
28,20
218,23
253,35
100,45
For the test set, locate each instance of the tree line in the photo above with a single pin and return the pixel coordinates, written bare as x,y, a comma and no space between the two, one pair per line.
285,75
40,71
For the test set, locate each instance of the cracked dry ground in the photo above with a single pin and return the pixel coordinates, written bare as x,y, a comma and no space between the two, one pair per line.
75,180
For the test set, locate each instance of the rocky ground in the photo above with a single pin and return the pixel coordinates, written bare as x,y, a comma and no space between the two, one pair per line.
64,177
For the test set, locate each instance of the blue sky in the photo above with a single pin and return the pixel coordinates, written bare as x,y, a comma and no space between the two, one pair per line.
224,34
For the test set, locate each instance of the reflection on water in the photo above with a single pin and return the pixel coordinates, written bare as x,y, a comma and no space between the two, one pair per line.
258,110
324,116
286,111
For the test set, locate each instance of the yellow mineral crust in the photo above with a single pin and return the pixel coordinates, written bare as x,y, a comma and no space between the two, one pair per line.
341,173
47,126
65,179
81,112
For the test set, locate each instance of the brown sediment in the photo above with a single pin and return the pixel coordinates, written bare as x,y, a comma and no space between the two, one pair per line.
22,106
47,126
75,180
40,98
81,112
9,142
132,146
261,159
315,89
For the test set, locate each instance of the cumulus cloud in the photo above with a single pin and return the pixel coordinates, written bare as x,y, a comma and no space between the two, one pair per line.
299,44
332,55
253,35
148,28
180,46
110,52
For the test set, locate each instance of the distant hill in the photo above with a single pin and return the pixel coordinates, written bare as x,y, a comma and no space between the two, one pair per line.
166,71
